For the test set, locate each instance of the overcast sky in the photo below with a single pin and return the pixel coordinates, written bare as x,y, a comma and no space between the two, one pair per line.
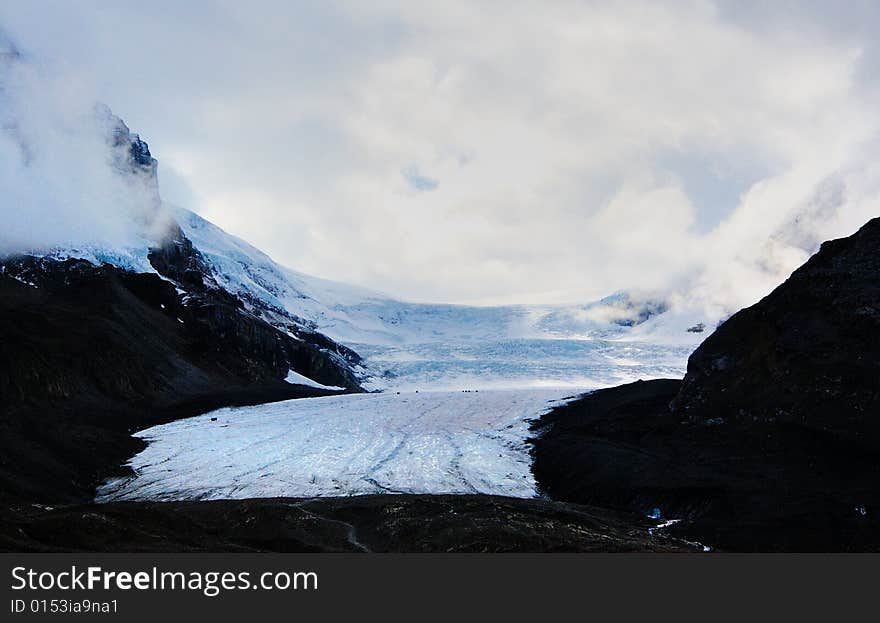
487,152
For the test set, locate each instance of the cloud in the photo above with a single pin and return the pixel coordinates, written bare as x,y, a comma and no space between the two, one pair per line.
570,150
65,184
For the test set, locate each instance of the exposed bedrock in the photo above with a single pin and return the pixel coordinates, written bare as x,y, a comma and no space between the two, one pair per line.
89,354
771,441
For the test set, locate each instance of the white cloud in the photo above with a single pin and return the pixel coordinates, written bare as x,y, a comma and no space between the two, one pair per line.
60,176
571,150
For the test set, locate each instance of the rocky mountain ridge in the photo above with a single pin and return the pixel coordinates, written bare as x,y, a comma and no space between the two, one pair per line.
771,441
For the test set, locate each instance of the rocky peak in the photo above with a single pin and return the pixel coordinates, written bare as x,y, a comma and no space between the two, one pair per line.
140,152
131,151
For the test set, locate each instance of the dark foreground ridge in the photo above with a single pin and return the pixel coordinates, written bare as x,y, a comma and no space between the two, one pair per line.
772,440
375,523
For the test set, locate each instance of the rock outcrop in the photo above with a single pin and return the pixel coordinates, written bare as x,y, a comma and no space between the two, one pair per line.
92,353
806,356
771,441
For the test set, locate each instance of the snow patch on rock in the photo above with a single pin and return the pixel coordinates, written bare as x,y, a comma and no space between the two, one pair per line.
295,378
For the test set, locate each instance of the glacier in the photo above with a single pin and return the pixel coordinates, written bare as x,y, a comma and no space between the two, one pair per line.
459,384
458,387
406,442
523,363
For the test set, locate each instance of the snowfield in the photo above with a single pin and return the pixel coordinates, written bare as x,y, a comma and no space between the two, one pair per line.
428,442
295,378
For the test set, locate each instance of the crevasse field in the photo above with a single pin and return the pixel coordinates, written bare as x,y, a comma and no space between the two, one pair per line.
523,363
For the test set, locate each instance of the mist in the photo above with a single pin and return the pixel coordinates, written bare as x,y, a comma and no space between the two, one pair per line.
66,185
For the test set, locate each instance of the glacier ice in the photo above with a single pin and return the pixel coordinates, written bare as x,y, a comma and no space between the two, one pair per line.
408,442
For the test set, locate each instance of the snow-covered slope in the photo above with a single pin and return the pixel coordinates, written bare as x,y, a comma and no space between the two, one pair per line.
295,378
414,345
356,315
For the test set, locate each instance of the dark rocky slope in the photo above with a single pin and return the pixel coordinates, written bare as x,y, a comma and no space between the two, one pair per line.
90,354
805,357
771,442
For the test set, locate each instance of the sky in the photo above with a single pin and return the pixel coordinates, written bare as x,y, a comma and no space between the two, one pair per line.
495,152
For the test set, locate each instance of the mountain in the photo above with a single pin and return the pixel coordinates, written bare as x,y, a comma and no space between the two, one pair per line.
118,312
355,315
771,441
115,303
79,184
406,345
